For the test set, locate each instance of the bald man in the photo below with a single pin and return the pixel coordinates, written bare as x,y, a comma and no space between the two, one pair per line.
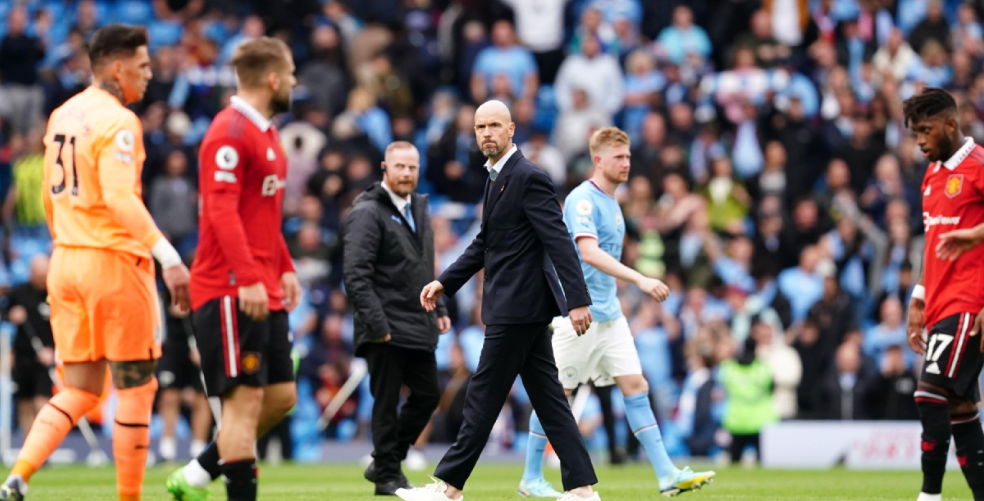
532,274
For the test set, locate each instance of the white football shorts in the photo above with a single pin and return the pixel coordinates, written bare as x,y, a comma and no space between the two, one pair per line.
603,353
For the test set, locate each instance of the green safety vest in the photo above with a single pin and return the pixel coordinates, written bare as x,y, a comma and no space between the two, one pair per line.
749,389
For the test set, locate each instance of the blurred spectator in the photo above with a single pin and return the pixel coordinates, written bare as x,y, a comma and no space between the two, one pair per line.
34,354
540,26
727,200
21,98
507,58
889,395
747,382
546,156
597,74
683,37
896,57
24,204
642,85
787,369
454,162
174,201
575,126
323,76
889,332
843,389
802,285
932,27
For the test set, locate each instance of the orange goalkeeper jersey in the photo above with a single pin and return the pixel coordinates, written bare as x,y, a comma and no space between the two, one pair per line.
93,159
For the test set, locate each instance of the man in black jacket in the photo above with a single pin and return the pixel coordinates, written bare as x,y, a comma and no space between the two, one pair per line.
532,274
389,256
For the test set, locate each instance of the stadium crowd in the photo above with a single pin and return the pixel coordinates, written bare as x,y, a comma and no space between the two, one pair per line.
774,186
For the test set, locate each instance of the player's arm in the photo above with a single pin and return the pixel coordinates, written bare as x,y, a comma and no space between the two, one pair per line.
954,243
592,254
916,318
223,164
117,168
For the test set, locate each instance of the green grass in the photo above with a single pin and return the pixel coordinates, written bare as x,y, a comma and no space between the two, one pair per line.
498,482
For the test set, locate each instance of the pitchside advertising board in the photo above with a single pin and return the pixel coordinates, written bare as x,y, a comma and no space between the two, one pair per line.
876,445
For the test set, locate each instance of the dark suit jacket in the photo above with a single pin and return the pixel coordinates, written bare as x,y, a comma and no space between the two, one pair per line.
525,249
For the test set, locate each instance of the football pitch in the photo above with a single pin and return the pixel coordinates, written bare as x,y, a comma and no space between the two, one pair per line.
495,482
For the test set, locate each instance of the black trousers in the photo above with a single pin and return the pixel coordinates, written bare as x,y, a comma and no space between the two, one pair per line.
512,350
390,367
738,444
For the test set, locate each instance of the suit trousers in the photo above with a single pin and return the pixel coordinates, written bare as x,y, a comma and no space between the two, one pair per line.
390,367
512,350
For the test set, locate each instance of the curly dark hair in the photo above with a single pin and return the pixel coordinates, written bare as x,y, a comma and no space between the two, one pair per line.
932,101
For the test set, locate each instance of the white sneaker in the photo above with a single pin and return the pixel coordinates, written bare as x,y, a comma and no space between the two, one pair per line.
929,497
415,461
429,492
570,496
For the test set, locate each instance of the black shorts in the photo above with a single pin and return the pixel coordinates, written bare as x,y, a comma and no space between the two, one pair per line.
237,350
175,370
32,378
953,359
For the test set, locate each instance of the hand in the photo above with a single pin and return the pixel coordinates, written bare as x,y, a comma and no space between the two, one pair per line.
978,326
444,324
914,326
47,357
954,243
655,288
18,315
254,302
385,339
580,319
292,290
431,293
176,278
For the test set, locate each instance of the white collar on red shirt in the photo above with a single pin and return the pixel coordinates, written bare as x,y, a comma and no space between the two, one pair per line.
254,115
959,156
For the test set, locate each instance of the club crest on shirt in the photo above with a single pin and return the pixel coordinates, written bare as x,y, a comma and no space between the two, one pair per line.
569,373
584,207
618,219
954,184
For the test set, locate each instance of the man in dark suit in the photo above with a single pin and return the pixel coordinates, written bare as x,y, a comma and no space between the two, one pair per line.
389,255
527,255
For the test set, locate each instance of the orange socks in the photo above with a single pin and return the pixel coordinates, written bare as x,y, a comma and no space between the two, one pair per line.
55,420
131,438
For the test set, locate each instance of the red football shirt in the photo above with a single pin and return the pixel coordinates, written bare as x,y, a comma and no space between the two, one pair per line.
953,198
242,174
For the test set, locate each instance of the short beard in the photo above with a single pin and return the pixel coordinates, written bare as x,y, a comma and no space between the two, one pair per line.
280,105
491,152
946,147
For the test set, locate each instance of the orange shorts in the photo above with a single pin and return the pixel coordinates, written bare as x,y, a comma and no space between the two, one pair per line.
103,306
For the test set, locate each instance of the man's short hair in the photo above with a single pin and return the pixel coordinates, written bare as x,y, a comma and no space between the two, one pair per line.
606,137
399,145
931,102
255,59
116,41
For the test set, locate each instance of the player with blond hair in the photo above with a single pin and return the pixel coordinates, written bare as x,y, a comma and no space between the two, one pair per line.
606,353
101,284
243,281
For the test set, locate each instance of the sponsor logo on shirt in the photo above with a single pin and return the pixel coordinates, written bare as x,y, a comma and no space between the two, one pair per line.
271,184
930,221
